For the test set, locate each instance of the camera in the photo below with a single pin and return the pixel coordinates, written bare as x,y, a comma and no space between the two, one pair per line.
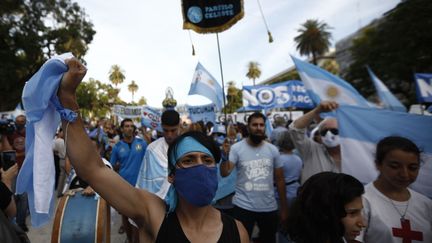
7,159
7,126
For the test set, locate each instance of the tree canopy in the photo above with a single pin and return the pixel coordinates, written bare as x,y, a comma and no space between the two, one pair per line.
133,87
116,75
254,71
234,98
395,47
95,98
314,39
33,31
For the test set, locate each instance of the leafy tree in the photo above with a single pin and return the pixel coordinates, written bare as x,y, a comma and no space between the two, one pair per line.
234,97
314,39
395,48
254,71
331,65
96,98
116,75
30,33
133,87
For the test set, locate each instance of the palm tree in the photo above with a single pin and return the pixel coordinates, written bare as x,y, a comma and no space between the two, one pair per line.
254,71
132,87
314,39
116,75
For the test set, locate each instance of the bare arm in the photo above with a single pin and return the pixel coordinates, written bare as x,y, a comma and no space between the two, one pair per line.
8,177
306,119
226,166
128,200
280,185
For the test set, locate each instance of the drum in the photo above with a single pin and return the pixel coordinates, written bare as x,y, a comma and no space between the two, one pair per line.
81,219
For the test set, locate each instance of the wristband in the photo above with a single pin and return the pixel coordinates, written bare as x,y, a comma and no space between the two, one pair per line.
65,114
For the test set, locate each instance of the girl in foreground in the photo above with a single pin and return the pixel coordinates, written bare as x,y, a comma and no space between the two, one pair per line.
394,212
327,209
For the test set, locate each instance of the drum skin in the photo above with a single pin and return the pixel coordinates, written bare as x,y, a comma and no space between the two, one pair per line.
81,219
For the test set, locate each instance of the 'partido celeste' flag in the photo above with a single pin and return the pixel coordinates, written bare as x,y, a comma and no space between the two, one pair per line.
211,16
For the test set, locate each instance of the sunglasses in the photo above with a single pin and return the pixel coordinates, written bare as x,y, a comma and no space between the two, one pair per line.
335,131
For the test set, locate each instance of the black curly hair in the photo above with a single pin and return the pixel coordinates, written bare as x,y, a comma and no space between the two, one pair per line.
316,213
202,138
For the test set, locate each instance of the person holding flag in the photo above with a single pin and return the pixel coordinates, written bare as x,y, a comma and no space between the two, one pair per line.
192,159
317,157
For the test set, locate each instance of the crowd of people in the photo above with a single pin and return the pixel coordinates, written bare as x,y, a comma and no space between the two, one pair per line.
232,182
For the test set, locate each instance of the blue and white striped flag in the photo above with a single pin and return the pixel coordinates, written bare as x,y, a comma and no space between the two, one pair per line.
388,100
360,130
424,87
36,176
322,85
203,83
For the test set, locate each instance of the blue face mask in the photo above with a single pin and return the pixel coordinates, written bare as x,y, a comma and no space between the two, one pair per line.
197,184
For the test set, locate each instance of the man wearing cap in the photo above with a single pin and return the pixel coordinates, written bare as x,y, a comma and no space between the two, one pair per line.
153,173
317,157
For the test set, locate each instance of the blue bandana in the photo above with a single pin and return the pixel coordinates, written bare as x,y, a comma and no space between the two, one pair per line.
187,145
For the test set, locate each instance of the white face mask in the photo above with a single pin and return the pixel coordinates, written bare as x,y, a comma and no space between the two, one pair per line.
330,140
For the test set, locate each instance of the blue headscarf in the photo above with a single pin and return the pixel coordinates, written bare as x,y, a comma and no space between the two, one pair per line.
185,146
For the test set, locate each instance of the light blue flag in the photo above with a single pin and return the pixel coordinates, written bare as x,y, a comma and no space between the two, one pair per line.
203,83
360,130
424,87
388,100
36,176
322,85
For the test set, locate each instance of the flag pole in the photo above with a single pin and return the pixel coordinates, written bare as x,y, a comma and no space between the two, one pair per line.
223,85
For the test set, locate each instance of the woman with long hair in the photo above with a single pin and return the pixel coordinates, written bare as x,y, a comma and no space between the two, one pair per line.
327,209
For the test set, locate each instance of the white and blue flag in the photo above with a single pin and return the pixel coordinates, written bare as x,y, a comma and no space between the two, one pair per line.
203,83
424,87
36,176
322,85
388,100
361,129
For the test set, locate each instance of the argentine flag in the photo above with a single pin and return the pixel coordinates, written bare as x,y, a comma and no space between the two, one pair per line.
388,100
203,83
36,176
322,85
360,130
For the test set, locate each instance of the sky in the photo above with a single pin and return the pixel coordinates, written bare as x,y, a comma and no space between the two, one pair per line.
147,40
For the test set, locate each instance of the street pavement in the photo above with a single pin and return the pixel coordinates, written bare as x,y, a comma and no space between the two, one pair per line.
43,234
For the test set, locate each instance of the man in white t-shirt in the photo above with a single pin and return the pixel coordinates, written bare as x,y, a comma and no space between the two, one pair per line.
257,169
